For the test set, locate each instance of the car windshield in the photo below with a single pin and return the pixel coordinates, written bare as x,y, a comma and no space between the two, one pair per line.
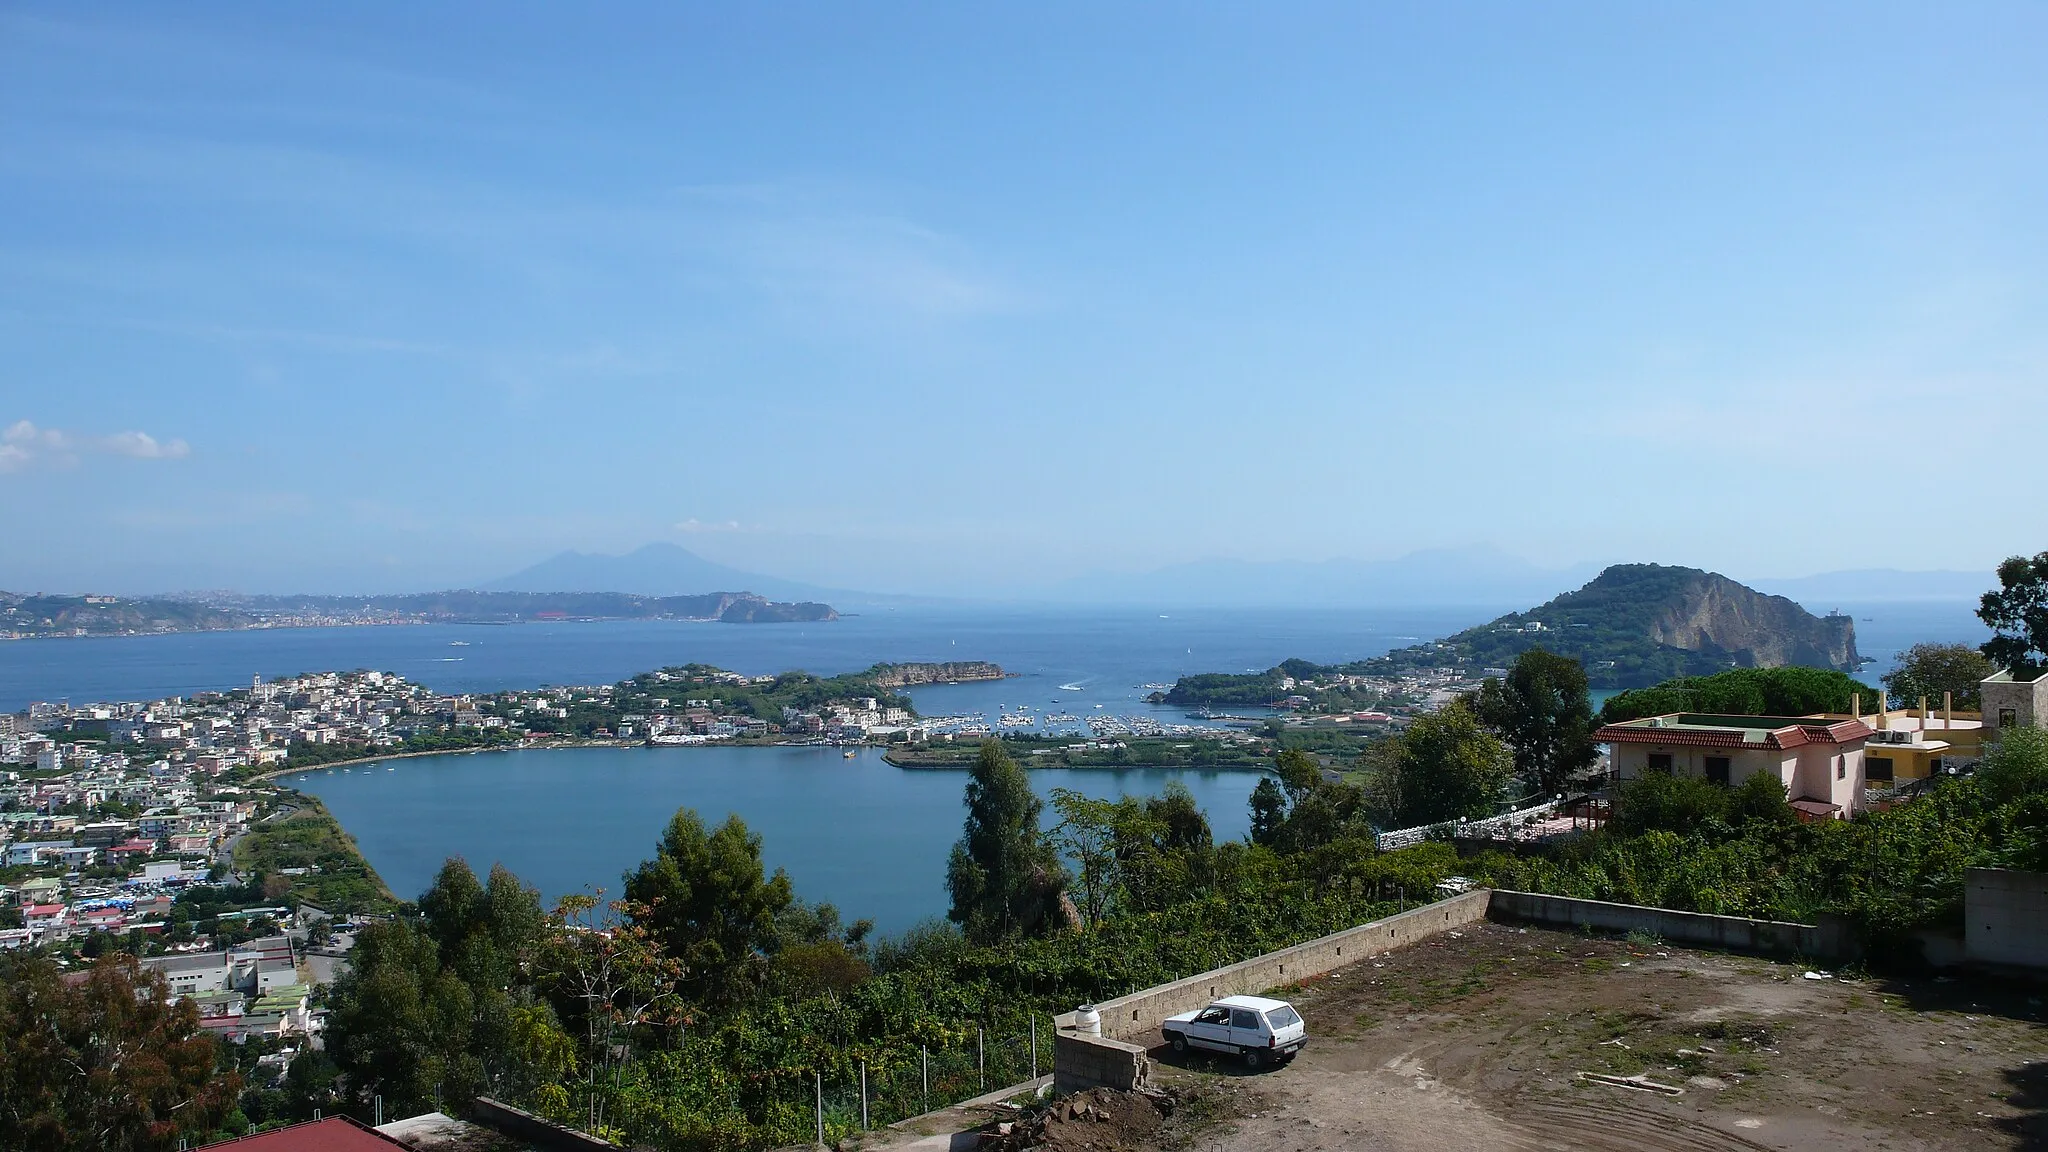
1284,1016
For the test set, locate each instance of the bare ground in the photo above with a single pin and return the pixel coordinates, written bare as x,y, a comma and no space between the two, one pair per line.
1478,1040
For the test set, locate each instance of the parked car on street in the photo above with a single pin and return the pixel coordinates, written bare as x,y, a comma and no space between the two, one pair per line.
1259,1030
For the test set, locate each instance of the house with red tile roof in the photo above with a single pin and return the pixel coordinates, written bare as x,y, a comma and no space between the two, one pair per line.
1819,759
332,1134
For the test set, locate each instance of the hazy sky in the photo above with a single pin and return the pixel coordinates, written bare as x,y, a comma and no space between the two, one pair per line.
937,297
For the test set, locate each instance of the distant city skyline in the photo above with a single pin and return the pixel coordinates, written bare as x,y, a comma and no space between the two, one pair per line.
962,301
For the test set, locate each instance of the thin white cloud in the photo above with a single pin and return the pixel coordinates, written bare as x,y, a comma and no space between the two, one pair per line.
694,525
24,446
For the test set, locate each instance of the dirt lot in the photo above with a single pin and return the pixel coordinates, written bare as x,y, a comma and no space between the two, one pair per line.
1479,1039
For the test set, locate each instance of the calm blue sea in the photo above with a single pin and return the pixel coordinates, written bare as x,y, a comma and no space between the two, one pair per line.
1108,654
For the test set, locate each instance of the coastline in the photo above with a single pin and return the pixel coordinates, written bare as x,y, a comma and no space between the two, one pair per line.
272,777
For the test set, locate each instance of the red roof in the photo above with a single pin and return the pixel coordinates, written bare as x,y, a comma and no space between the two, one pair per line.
333,1134
1775,739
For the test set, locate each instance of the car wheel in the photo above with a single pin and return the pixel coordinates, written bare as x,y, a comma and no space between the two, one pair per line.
1179,1043
1254,1058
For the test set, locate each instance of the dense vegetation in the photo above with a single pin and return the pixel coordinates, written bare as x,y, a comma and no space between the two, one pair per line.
1607,626
108,1061
331,874
1789,691
301,754
701,1017
2017,614
763,699
1938,672
1324,686
1683,843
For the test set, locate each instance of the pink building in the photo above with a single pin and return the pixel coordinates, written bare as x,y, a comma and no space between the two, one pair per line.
1819,760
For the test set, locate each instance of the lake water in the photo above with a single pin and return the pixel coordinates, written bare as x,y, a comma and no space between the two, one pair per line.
867,836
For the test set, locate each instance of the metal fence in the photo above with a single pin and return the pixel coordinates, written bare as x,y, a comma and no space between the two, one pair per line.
883,1085
1501,827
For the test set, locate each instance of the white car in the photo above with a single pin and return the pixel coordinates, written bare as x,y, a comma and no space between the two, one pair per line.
1262,1031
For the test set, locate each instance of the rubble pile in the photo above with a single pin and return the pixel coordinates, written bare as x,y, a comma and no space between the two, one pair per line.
1100,1119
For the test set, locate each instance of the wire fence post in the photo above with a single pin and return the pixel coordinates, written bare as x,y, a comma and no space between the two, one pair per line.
863,1095
818,1086
980,1061
925,1062
1034,1050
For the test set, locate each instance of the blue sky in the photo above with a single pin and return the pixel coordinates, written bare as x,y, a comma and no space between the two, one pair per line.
953,298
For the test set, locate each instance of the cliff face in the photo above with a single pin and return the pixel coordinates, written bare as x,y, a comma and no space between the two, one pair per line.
1710,611
1638,624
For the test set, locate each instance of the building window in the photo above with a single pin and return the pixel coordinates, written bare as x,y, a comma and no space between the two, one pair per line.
1877,768
2007,717
1717,770
1660,762
1934,766
1841,767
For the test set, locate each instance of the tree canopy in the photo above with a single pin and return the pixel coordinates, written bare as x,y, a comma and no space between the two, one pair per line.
707,898
1787,691
109,1061
2018,613
1445,766
1005,880
1542,709
1926,671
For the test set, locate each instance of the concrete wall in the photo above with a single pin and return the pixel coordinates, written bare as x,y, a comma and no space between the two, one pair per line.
1137,1016
1734,933
2005,918
527,1128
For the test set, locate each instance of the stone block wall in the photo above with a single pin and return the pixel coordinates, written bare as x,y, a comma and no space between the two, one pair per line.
1081,1060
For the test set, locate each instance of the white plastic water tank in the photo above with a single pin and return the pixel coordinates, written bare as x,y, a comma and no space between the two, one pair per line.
1088,1020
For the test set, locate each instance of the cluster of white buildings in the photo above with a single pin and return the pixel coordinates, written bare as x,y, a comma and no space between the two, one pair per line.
253,989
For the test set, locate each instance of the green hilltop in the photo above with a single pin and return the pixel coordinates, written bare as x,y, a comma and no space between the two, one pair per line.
1635,625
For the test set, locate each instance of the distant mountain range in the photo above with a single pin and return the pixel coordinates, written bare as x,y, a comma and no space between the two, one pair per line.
1866,585
657,570
1457,577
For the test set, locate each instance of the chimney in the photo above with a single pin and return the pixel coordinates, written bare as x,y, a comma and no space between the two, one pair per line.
1856,705
1884,710
1923,713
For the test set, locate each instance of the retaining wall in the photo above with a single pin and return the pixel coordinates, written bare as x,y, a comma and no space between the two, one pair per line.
1829,941
1137,1016
1130,1024
527,1128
